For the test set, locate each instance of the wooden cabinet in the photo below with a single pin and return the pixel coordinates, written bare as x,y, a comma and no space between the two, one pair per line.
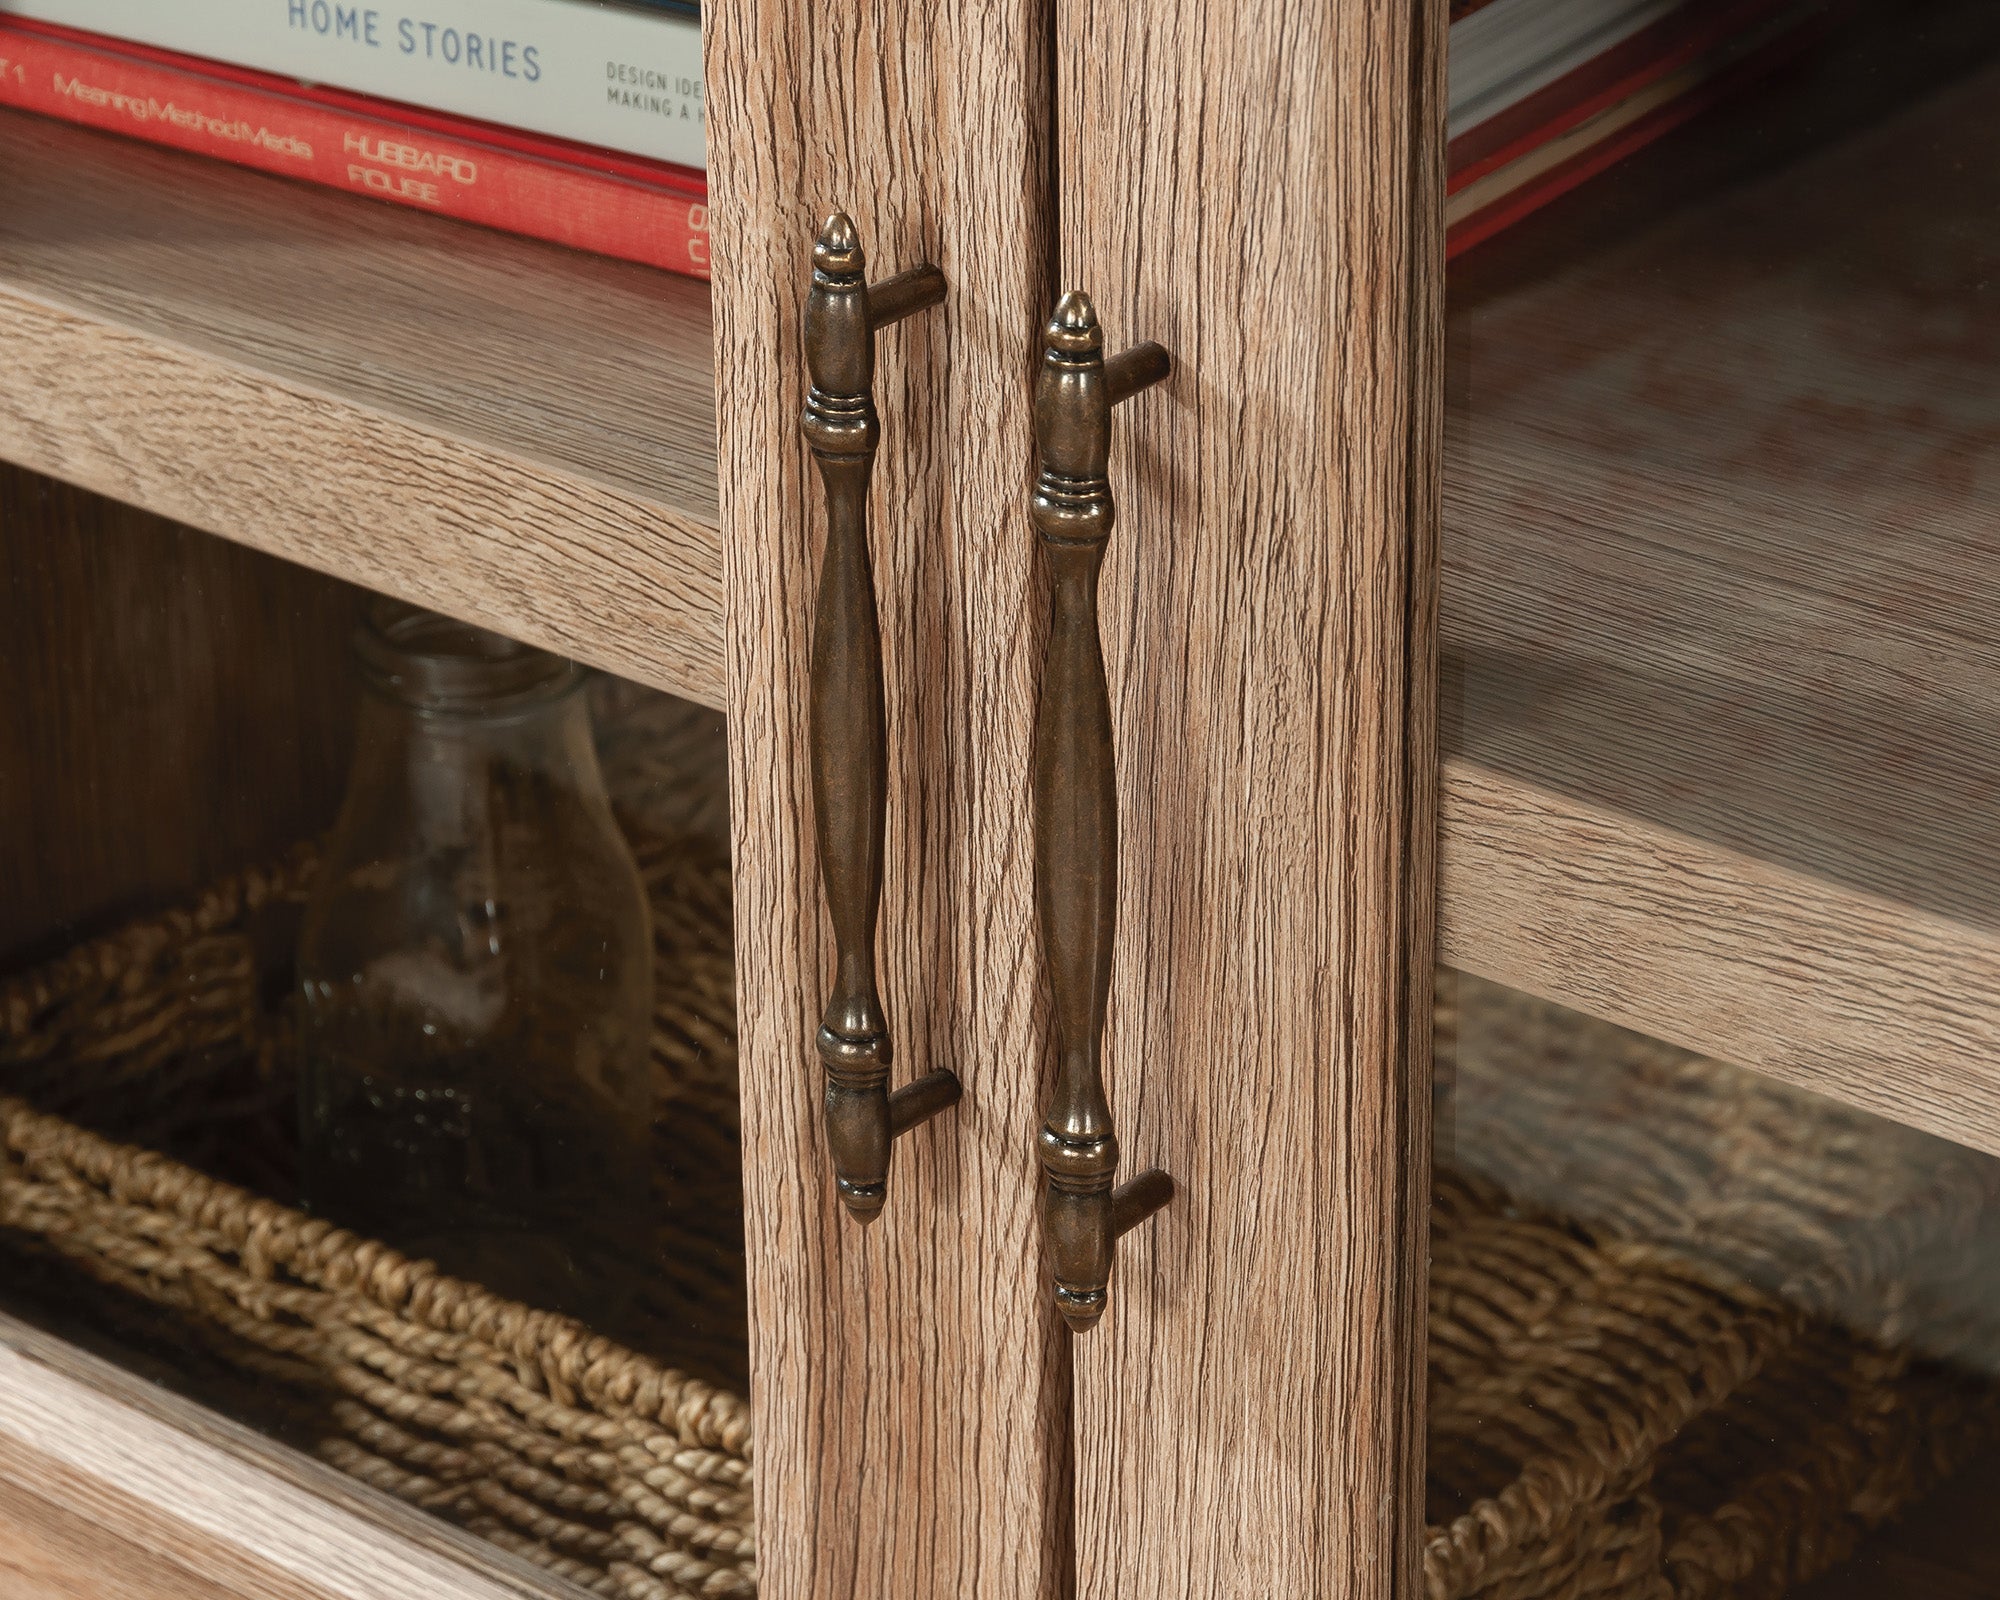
1692,745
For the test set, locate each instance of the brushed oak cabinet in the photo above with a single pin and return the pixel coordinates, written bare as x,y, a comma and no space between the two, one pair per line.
1261,193
930,128
1436,855
1261,190
609,462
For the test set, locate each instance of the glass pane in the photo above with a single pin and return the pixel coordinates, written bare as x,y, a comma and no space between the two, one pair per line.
1714,1309
1723,474
367,1015
1694,1331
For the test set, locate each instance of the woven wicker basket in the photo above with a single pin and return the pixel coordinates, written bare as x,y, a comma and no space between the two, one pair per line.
1615,1412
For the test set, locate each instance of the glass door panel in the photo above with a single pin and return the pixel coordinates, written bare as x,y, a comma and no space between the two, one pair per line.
1713,1310
367,1040
1695,1331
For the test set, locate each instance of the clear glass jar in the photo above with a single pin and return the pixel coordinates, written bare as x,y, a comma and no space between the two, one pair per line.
476,978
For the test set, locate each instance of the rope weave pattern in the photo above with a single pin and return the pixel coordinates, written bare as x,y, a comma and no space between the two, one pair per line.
631,1478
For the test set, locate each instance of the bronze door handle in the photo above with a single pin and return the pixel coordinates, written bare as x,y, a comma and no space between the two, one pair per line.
1076,804
850,755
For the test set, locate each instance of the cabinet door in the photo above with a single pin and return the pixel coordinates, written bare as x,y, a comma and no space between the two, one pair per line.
1258,186
912,1392
1719,858
525,438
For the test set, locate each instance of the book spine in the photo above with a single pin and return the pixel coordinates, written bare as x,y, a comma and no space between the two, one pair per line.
375,156
624,78
1697,30
1546,171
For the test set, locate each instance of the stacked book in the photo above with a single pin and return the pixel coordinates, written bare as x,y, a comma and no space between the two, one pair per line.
1547,93
576,121
580,121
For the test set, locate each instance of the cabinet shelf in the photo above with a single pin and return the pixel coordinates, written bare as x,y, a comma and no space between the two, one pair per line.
519,434
1723,674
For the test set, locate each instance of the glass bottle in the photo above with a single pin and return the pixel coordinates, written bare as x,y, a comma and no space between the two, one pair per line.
476,978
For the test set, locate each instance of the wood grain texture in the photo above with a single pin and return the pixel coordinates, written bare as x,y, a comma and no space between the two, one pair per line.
1833,989
49,1551
115,1490
513,433
176,707
1258,187
909,1389
1720,603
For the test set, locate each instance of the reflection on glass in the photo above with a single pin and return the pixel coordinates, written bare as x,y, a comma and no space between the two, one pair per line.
1693,1332
1723,476
550,885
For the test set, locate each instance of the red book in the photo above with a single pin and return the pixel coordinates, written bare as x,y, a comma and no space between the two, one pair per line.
613,205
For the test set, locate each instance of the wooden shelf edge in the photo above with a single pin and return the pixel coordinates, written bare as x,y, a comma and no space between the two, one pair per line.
1888,1008
109,1485
540,554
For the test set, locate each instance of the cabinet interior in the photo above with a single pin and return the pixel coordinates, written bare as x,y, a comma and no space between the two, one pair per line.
1717,852
180,727
178,708
1718,646
1689,1321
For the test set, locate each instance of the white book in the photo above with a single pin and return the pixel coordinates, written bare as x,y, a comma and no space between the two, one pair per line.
623,79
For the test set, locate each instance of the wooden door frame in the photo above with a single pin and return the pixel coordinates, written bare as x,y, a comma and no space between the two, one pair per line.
909,1388
1259,186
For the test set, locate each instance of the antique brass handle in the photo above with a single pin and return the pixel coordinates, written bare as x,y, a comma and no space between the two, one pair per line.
850,756
1076,805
